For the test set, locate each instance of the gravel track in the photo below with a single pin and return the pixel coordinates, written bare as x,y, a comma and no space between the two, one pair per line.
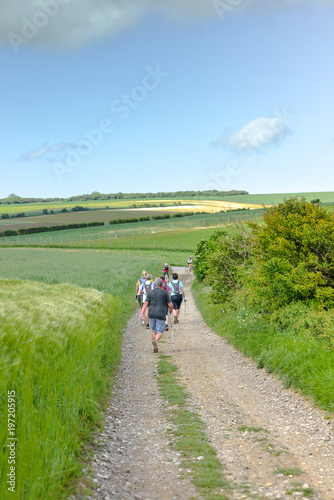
255,425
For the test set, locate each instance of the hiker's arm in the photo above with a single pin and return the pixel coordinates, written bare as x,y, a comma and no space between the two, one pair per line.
170,306
184,298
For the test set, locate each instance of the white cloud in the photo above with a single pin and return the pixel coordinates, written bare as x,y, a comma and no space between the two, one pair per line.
257,134
71,24
46,151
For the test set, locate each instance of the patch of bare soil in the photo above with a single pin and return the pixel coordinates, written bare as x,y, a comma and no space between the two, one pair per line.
271,441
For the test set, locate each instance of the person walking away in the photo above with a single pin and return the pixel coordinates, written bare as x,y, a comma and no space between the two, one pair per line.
156,302
176,295
190,262
166,271
148,286
166,287
140,290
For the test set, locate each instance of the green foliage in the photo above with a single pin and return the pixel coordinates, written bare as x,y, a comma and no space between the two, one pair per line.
160,217
294,255
124,221
222,261
203,249
47,229
306,321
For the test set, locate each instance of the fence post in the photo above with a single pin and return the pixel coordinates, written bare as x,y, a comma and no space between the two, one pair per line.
61,238
7,241
40,240
154,244
177,244
28,241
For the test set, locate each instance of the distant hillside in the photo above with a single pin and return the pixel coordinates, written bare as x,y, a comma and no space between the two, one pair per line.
14,199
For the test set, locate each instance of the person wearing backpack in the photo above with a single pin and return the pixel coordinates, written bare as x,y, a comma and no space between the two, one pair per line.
140,289
156,301
176,295
147,288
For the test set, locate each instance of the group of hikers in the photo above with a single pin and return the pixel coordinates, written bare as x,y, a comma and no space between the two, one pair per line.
157,299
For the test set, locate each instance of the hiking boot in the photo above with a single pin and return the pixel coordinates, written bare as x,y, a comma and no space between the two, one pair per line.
155,346
166,327
175,320
147,326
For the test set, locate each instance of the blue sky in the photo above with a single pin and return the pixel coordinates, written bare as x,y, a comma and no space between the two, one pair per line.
150,96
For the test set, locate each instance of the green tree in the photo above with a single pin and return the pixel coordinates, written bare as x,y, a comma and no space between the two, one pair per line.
294,255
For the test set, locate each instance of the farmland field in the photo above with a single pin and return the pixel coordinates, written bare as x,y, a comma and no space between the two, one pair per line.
133,230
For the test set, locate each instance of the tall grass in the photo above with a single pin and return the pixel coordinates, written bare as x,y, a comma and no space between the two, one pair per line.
59,345
306,364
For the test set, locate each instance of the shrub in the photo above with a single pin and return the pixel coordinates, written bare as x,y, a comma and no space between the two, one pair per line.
294,255
306,321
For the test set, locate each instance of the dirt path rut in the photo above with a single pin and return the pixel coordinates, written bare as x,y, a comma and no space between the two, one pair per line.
257,427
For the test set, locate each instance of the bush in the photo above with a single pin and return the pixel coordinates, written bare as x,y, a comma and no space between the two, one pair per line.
294,255
305,321
160,217
123,221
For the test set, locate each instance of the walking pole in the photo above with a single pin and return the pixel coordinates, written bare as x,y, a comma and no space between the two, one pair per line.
136,309
185,310
171,326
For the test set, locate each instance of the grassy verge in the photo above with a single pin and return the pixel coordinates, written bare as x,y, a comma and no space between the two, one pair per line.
189,436
303,363
59,346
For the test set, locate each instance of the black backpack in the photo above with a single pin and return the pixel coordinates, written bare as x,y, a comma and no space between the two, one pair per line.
176,287
148,287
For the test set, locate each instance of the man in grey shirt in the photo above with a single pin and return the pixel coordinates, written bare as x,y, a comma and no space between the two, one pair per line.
157,301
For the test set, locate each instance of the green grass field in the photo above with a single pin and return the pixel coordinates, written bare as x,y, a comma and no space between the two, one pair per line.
60,339
265,199
170,234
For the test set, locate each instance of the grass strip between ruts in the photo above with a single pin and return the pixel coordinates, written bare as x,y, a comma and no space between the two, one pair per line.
189,436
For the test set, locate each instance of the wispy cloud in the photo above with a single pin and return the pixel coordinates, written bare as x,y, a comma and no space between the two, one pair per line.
255,135
72,24
47,151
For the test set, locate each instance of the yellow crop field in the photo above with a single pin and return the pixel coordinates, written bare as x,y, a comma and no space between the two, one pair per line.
201,206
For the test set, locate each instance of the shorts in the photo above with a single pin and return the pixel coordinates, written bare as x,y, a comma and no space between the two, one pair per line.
157,325
176,300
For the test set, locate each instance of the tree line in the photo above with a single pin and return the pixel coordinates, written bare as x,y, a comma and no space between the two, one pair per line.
15,199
